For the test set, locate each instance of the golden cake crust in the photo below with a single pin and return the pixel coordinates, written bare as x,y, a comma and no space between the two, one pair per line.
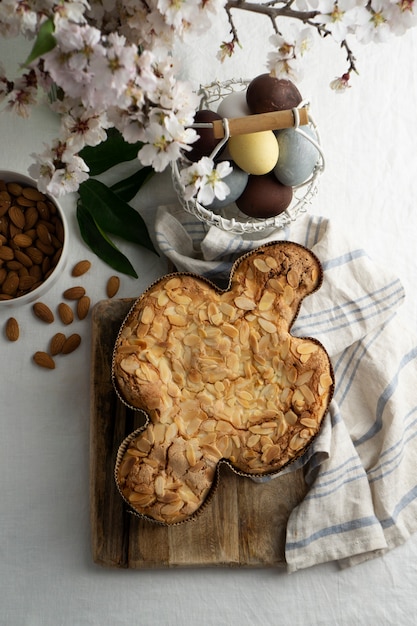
221,378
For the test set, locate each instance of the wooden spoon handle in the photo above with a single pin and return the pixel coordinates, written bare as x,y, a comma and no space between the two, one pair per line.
275,120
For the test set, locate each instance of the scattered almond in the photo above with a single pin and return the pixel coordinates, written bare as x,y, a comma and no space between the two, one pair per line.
43,359
112,286
43,312
83,307
65,313
74,293
81,268
71,343
56,343
12,329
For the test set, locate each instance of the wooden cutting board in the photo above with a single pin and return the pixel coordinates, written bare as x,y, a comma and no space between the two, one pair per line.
243,526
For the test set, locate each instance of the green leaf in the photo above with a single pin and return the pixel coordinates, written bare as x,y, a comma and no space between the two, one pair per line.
113,215
45,41
127,188
109,153
100,244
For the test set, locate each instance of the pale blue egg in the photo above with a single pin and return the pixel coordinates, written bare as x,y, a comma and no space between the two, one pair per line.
297,156
236,181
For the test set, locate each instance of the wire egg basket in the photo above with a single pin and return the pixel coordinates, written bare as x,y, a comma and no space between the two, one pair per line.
230,218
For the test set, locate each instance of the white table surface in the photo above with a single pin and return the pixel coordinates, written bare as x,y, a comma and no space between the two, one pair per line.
47,576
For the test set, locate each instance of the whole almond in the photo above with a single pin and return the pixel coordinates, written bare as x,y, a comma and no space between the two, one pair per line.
12,329
81,268
14,188
56,343
83,306
43,359
71,343
6,253
43,234
65,313
21,240
23,258
43,312
112,286
11,284
34,254
74,293
26,282
31,217
32,194
17,216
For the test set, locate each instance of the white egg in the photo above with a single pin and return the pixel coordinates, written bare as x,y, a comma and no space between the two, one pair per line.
234,105
297,156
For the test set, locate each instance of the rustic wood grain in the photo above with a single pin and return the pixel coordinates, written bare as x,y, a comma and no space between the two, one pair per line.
242,526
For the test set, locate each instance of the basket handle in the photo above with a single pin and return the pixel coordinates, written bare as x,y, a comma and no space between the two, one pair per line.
275,120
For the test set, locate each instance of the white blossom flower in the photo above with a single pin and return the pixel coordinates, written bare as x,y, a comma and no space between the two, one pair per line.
339,17
401,16
164,141
23,95
376,28
69,62
286,59
204,181
58,170
84,127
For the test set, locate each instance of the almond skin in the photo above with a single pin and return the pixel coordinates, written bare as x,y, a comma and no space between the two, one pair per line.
81,268
17,216
83,307
56,343
65,313
43,312
74,293
43,359
112,286
71,343
12,329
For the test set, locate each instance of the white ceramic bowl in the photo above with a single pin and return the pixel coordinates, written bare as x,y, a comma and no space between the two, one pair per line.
40,290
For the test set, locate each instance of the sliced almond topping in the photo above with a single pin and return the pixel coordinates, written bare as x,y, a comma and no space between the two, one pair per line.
261,265
242,302
266,301
293,278
267,326
307,347
173,283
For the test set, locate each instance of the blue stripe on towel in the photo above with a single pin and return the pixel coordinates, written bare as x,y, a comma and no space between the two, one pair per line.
405,501
385,397
390,458
355,311
352,357
336,529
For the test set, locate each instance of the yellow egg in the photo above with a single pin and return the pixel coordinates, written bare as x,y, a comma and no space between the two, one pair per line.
255,153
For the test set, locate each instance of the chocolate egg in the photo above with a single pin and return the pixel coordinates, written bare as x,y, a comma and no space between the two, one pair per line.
255,153
297,156
236,181
234,105
267,93
206,142
264,197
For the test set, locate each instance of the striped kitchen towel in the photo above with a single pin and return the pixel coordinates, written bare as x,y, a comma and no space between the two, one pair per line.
360,471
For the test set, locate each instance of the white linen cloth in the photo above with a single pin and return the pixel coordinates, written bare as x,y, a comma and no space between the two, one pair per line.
361,469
